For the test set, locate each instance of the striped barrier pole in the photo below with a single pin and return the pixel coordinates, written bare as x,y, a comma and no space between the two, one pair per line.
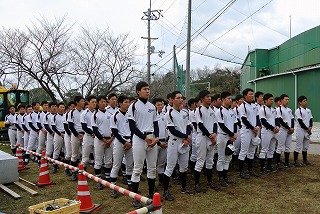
123,191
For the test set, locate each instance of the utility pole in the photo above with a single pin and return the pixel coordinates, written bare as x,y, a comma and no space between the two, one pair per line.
187,85
150,15
174,69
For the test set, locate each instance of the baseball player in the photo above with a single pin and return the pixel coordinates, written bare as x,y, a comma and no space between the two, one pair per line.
304,129
87,144
178,145
18,124
250,123
122,144
163,141
67,137
43,131
258,96
76,132
270,127
168,106
143,121
205,141
26,128
286,119
9,122
112,103
215,105
227,133
237,143
192,118
48,126
58,128
103,141
34,130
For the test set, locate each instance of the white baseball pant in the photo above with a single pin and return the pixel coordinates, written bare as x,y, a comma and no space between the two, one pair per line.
42,141
141,152
284,141
268,143
102,154
118,154
20,138
173,156
57,146
49,145
205,152
302,140
247,148
75,147
12,137
87,148
223,159
67,146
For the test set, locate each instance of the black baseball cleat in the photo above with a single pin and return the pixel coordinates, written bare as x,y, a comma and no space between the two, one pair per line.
253,174
244,175
186,191
136,203
199,189
67,172
74,176
223,183
213,185
308,163
99,186
167,196
114,194
229,181
286,165
297,164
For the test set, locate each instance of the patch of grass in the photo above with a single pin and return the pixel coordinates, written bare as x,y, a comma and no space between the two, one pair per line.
294,190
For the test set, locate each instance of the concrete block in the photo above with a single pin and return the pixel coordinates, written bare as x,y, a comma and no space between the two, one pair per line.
8,168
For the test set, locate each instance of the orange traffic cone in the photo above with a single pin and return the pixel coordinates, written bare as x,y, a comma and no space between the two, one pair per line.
84,195
44,177
156,203
19,156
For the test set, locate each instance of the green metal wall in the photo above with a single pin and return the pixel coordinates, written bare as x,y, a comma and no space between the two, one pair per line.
299,52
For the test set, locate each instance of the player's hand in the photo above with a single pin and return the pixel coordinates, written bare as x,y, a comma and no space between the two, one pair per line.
154,141
22,131
256,129
44,131
276,129
213,141
163,145
62,135
28,132
80,136
11,124
185,142
309,130
93,135
189,139
213,136
291,130
127,145
235,136
232,139
148,140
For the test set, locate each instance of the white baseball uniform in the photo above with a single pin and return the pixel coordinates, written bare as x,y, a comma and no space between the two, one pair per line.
302,136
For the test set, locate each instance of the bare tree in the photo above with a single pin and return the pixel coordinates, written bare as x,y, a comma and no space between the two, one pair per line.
104,62
41,53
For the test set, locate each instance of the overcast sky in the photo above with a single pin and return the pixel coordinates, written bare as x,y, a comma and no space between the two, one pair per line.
247,24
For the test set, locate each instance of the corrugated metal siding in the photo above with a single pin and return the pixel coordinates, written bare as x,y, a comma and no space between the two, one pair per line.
300,51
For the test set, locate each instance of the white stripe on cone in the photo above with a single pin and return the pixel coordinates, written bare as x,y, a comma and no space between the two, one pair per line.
83,193
44,173
82,182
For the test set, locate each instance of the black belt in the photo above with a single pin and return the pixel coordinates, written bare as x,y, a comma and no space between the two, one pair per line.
13,129
126,137
81,132
107,138
162,140
222,133
62,132
147,133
